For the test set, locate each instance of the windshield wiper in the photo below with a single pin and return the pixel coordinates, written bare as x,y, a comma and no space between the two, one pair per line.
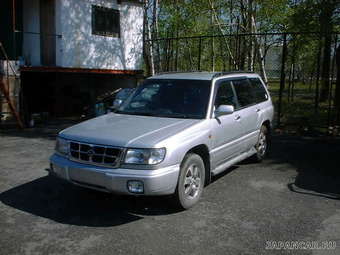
177,115
136,113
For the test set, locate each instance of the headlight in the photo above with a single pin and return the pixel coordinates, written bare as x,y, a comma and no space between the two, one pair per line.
144,156
62,146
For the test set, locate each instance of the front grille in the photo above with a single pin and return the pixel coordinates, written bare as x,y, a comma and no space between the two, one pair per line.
95,154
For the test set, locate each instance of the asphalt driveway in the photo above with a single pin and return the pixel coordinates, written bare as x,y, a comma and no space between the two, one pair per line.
294,195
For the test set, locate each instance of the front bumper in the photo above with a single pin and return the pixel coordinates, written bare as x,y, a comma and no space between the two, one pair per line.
161,181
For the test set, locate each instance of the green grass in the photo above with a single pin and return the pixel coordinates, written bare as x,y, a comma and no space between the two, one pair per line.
299,113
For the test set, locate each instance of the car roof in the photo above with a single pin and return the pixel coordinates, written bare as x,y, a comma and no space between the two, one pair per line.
200,75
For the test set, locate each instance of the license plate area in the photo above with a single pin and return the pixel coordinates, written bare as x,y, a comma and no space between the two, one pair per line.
87,177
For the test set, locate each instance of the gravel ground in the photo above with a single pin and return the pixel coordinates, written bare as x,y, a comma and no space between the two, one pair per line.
294,195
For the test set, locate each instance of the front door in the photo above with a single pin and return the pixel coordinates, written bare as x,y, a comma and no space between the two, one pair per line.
227,129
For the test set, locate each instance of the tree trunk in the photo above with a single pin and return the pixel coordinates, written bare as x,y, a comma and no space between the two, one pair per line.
156,60
145,42
243,43
260,52
150,45
217,20
212,38
251,29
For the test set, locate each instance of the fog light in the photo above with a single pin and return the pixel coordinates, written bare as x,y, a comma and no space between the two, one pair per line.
135,187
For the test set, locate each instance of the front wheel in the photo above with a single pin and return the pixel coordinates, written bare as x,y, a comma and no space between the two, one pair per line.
191,181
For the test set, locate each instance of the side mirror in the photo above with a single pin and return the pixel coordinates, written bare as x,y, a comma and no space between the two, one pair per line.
224,110
115,106
117,103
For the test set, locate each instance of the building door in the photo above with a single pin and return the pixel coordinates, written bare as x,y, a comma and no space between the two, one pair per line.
47,30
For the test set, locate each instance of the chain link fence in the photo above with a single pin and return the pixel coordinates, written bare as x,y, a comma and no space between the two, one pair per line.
299,69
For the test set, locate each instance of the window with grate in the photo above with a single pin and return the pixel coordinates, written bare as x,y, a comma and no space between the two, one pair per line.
105,21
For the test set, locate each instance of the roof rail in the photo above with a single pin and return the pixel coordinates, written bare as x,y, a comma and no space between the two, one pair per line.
174,72
230,72
216,74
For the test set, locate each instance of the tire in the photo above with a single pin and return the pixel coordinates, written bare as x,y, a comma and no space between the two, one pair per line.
262,144
190,182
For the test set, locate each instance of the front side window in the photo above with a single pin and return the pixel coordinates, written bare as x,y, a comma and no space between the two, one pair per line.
169,98
244,92
225,95
105,21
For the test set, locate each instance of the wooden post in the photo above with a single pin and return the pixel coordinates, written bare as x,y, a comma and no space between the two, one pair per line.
9,101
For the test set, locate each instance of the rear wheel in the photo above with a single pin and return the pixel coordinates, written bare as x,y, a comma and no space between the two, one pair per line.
262,144
191,181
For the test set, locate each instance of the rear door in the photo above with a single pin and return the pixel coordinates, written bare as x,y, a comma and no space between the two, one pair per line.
249,96
247,111
263,107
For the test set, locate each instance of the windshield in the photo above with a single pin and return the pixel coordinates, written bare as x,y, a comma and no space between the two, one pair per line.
169,98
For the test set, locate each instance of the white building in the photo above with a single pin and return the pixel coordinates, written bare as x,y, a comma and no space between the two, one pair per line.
77,41
71,51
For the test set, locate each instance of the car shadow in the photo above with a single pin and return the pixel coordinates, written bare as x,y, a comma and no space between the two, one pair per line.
51,198
316,160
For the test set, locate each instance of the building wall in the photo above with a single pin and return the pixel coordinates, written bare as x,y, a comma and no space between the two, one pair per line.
31,23
78,47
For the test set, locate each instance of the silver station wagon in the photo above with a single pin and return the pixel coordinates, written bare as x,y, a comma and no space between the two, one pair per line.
170,136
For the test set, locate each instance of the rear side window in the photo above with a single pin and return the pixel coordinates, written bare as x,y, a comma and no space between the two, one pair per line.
244,92
259,90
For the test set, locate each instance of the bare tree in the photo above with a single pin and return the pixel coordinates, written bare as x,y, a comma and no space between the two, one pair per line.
219,24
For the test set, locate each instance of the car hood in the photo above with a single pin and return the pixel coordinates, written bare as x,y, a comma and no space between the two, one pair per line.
126,130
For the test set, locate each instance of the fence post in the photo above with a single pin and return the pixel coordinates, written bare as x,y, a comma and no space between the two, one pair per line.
282,78
330,95
199,54
337,88
176,56
316,98
168,55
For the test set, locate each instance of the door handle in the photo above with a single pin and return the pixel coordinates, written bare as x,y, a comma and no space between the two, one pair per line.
237,117
258,110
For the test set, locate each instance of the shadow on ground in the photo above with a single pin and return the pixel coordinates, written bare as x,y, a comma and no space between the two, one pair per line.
46,131
62,202
316,160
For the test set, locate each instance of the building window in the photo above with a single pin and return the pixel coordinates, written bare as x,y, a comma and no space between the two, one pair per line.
105,21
